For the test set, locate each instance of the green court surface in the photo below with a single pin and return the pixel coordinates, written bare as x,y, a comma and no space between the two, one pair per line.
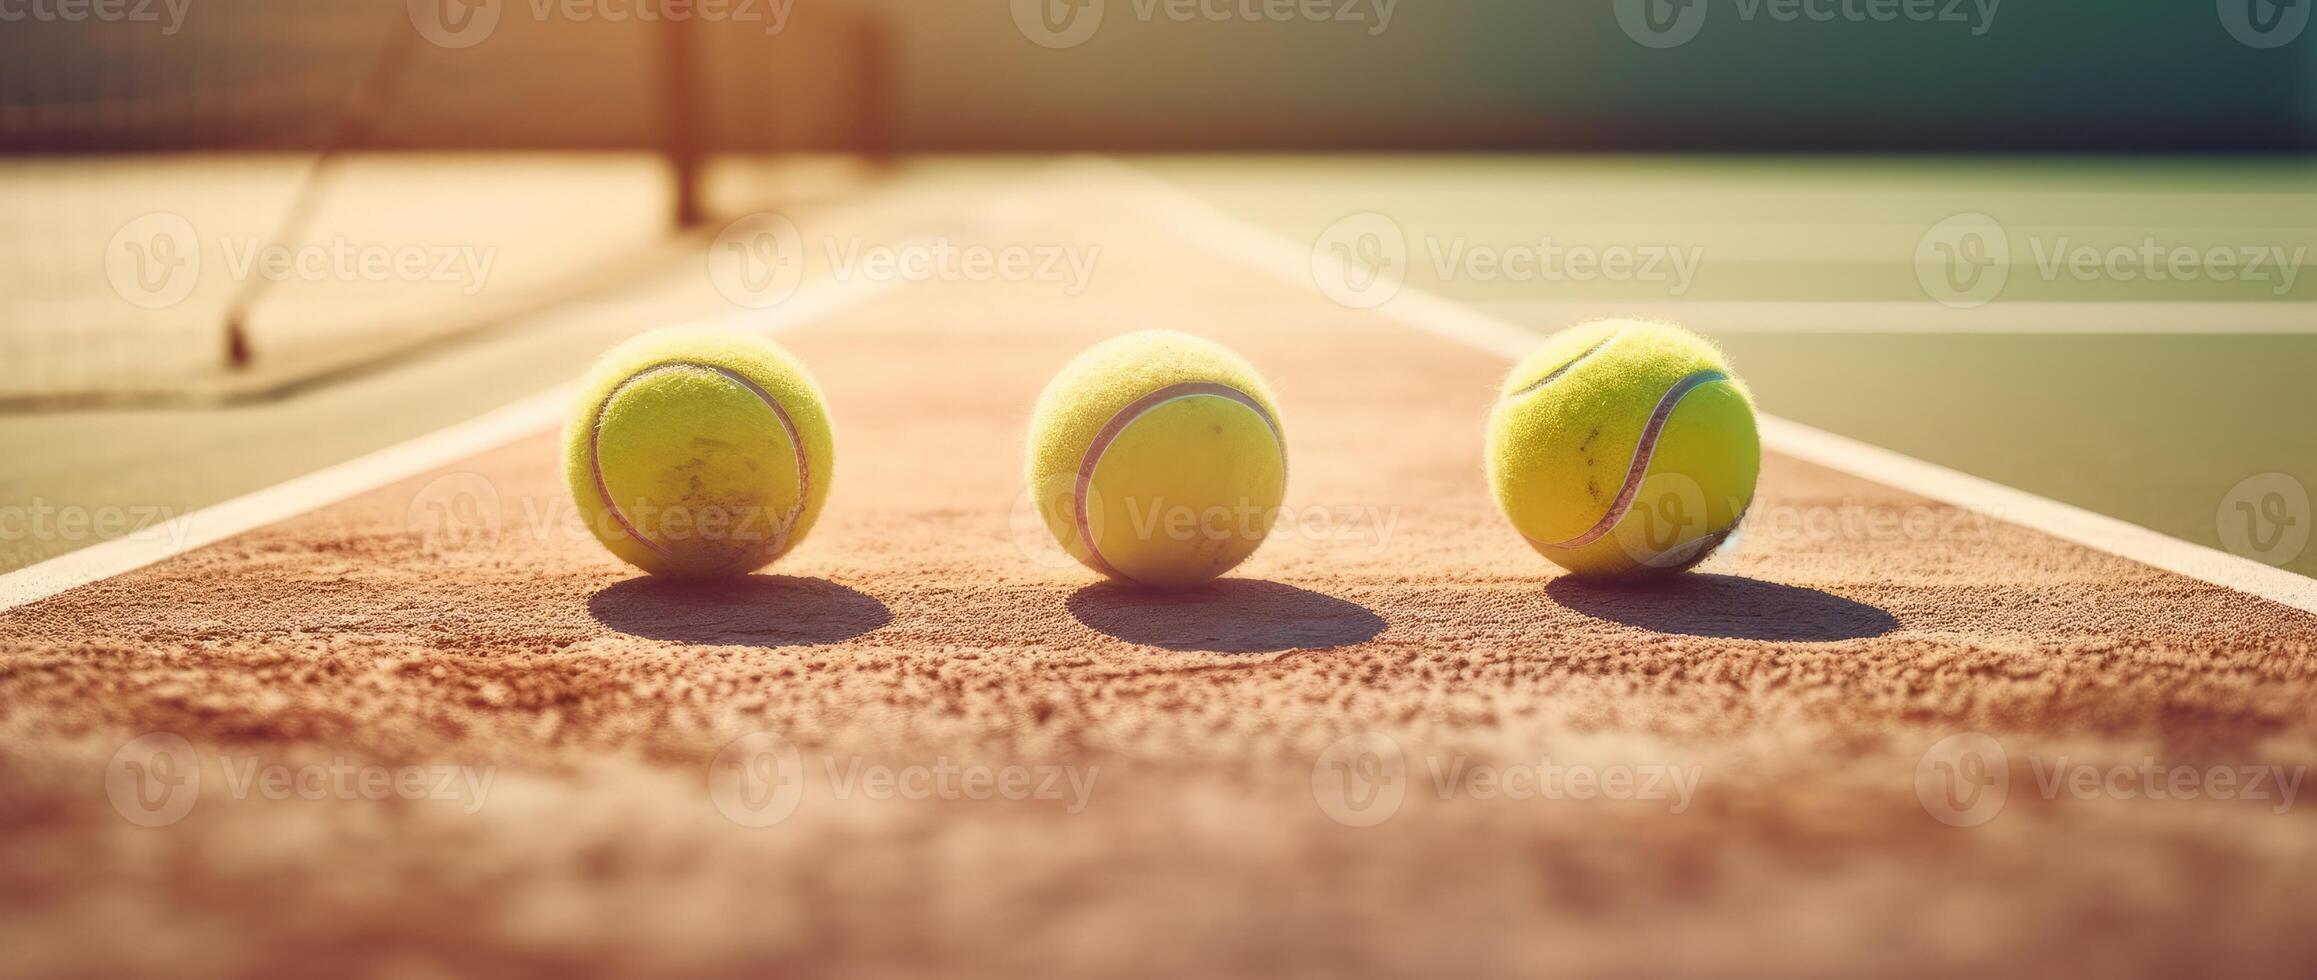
2150,400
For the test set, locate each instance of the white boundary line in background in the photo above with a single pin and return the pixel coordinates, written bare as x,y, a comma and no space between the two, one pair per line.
1270,252
321,488
2020,318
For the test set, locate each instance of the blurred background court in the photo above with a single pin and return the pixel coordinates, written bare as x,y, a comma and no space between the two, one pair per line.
242,239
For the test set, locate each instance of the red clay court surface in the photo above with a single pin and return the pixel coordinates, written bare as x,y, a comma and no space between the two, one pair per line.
1187,808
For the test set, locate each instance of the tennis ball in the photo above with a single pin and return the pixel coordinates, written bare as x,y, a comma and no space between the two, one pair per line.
1157,459
1624,448
698,453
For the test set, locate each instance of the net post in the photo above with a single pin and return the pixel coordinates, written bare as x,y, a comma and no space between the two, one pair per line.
873,91
681,95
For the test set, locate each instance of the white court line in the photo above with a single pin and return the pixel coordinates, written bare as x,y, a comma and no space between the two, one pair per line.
434,450
1293,261
2020,318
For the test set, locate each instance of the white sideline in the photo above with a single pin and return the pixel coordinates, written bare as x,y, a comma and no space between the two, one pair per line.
1268,251
2009,318
330,485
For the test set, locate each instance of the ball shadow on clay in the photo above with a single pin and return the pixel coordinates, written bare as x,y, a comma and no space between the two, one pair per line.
758,610
1724,607
1225,616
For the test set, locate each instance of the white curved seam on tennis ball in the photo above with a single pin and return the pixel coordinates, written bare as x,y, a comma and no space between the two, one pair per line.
1643,452
1556,373
1127,416
1688,553
603,489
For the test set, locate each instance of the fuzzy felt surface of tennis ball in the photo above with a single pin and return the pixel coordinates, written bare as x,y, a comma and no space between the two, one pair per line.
699,453
1624,448
1157,458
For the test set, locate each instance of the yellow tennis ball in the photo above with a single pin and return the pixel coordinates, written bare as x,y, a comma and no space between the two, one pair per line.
1157,459
1624,448
698,453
